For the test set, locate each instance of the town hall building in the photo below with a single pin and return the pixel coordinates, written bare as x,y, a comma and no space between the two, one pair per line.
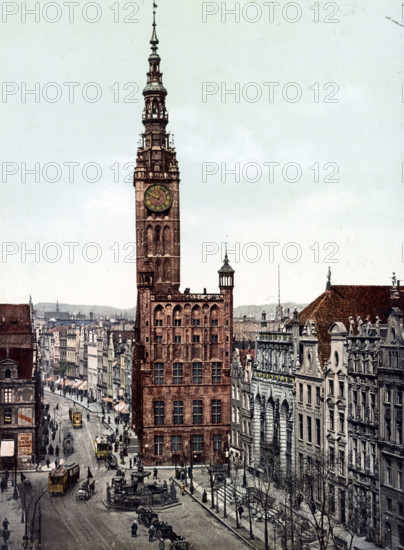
183,341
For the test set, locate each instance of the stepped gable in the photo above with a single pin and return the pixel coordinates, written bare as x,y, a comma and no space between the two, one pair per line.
340,302
16,336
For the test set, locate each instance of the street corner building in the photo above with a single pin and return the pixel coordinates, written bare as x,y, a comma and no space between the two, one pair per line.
183,341
19,389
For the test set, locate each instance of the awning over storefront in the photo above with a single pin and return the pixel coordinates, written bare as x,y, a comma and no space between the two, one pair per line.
68,382
49,379
7,448
83,386
107,399
77,383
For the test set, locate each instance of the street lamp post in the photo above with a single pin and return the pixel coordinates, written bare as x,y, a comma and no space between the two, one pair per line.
15,493
224,502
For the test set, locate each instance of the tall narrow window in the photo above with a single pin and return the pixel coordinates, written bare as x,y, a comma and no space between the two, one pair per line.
217,442
158,445
197,412
216,373
158,413
216,411
331,416
178,415
158,373
309,429
309,394
176,444
318,432
341,422
197,443
197,373
300,426
8,395
177,371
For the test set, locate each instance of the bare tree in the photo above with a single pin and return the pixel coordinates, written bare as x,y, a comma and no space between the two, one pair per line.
356,523
31,494
264,496
236,483
315,498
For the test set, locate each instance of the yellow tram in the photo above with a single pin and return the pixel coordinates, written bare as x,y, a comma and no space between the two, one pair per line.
102,447
76,418
60,478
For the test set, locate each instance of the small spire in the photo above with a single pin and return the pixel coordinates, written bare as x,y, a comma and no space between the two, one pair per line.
154,40
279,286
328,278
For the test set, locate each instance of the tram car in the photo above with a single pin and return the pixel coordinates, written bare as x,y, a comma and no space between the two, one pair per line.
62,477
76,418
102,447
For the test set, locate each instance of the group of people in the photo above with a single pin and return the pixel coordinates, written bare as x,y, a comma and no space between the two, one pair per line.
151,533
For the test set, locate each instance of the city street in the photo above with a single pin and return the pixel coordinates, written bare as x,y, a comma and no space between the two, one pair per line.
69,524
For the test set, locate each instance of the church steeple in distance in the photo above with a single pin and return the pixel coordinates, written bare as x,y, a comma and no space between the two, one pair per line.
157,187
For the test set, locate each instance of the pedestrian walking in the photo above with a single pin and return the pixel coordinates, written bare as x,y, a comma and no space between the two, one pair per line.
240,511
89,474
57,450
151,533
204,497
6,535
56,463
88,417
162,545
134,529
182,489
6,523
47,462
130,464
155,473
109,419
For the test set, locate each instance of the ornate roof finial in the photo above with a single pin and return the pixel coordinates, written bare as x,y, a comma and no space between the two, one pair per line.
328,278
154,40
394,279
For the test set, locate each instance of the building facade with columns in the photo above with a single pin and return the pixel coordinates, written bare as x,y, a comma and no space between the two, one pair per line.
272,397
183,340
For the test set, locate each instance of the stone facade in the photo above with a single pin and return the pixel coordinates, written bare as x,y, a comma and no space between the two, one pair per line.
20,398
241,410
183,341
272,396
391,396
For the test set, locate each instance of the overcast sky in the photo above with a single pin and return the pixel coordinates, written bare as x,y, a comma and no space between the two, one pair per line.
314,131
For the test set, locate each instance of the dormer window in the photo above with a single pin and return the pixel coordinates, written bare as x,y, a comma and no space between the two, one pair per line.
7,373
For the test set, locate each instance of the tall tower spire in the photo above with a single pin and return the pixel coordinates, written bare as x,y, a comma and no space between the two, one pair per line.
157,187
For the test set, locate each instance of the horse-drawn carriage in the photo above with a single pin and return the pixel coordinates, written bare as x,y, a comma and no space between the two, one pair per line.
86,490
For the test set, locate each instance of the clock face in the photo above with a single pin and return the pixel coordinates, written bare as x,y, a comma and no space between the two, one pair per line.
158,198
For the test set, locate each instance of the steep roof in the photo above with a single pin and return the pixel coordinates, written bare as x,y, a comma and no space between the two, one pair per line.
16,336
339,302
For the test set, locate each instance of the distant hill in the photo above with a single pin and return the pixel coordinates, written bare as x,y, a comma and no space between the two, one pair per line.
255,311
99,311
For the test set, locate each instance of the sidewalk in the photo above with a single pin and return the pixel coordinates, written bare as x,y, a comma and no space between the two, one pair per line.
11,509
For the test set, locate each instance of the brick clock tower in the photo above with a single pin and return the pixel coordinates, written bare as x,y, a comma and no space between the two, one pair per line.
183,341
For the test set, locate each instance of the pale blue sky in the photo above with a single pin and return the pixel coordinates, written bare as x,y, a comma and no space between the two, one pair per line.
362,134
